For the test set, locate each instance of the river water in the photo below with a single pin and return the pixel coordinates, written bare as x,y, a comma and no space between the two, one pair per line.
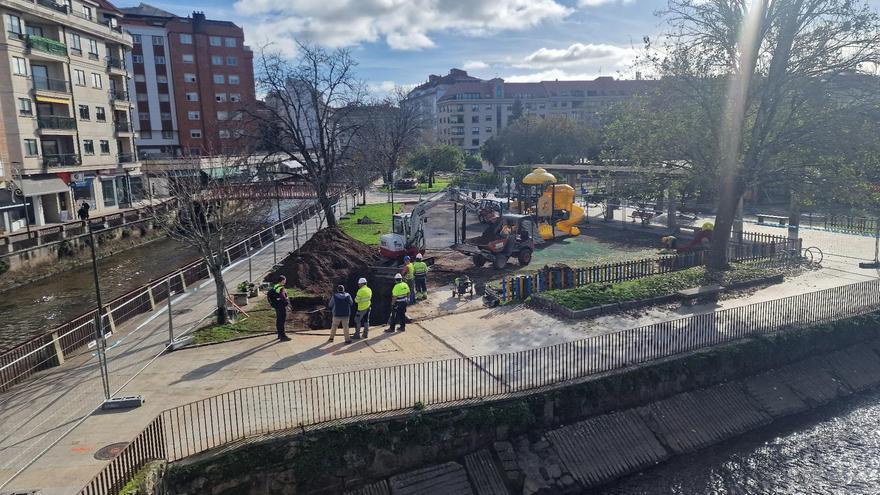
833,450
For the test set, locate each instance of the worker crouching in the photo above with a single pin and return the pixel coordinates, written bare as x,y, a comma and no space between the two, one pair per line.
420,271
399,298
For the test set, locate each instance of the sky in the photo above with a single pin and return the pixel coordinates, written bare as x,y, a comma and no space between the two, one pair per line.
401,42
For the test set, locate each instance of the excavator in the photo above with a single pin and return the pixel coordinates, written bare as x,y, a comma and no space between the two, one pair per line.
407,237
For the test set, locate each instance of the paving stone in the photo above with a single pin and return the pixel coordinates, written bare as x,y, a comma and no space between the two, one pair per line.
441,479
485,477
857,366
601,449
811,382
379,488
773,395
693,420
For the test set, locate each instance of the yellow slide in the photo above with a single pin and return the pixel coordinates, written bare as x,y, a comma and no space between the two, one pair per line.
576,214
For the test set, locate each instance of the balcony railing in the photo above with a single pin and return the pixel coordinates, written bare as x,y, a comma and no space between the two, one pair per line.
53,5
121,126
126,157
119,95
55,122
63,160
46,45
47,84
115,63
83,15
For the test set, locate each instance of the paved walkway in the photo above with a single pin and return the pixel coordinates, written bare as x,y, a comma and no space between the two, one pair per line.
34,415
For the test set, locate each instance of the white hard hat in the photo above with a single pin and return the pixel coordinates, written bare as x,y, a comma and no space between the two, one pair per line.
398,276
362,280
419,256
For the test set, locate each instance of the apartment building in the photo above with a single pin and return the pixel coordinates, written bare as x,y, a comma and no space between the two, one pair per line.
65,134
467,111
191,77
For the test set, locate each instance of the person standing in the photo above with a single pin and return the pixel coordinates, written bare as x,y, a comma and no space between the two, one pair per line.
409,275
420,272
278,300
340,305
399,297
83,212
363,299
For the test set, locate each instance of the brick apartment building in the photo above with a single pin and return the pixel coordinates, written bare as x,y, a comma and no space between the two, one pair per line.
191,77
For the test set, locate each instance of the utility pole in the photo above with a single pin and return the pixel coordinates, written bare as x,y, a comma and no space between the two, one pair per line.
170,319
100,343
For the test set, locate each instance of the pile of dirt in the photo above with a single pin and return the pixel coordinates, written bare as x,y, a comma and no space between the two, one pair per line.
366,221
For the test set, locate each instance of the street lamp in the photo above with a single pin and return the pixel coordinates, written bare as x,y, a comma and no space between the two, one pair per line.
100,343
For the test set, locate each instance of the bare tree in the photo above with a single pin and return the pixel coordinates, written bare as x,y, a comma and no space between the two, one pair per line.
308,106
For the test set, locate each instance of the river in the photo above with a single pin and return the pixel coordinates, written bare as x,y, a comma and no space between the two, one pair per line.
832,450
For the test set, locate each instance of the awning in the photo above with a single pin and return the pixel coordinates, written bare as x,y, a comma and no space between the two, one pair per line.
38,187
46,99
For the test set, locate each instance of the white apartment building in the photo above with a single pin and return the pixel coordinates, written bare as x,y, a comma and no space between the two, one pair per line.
66,135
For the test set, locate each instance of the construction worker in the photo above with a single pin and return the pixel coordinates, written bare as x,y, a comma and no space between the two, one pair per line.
420,272
363,299
277,297
399,297
409,275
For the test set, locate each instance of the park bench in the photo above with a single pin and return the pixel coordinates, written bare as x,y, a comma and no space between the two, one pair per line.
702,293
778,218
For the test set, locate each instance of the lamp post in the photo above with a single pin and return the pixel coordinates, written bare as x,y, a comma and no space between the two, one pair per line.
100,343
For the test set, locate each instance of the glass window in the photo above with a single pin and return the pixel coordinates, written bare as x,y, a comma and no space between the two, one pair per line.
220,97
215,41
235,97
193,115
93,48
224,133
164,97
136,39
186,39
162,79
19,66
231,61
219,79
192,96
233,79
13,24
216,60
188,58
138,59
25,107
142,97
80,77
105,147
236,115
75,43
190,78
84,112
230,42
88,147
30,147
145,116
145,134
96,80
140,78
109,189
87,12
100,115
222,115
475,119
159,60
195,133
475,142
165,116
488,129
167,134
158,40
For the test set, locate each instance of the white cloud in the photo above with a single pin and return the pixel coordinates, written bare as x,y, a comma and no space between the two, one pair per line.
578,55
402,24
596,3
474,65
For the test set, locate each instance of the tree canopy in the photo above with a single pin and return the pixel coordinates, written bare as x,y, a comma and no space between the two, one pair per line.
443,158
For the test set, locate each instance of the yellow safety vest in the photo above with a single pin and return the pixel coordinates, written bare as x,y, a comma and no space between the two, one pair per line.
400,289
363,298
410,271
420,268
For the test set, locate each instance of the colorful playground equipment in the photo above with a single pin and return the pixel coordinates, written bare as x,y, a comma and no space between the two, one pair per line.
554,207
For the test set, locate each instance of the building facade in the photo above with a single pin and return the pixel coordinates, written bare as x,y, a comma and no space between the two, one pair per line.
467,111
191,78
66,135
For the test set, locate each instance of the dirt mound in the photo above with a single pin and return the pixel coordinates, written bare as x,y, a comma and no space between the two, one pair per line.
330,258
366,221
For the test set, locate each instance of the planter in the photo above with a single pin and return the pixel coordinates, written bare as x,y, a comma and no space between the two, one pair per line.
254,292
240,298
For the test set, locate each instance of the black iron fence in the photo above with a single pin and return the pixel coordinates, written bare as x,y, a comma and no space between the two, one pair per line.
192,428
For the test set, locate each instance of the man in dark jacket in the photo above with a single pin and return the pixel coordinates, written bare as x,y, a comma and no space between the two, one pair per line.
340,304
279,302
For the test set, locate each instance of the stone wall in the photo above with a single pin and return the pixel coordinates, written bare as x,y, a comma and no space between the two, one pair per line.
560,440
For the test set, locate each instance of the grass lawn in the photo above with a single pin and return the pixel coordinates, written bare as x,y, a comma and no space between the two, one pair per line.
369,233
593,295
439,185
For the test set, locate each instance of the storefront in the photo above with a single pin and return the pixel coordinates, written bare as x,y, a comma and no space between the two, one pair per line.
49,199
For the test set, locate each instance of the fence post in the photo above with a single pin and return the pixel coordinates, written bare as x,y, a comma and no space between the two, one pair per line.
59,352
183,281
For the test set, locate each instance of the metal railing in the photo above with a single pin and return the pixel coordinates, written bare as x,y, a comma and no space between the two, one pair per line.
115,63
126,157
122,126
189,429
119,95
55,122
62,160
48,84
53,5
46,45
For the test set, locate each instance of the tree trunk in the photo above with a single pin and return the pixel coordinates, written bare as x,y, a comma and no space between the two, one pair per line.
724,218
794,216
671,211
220,288
430,179
327,206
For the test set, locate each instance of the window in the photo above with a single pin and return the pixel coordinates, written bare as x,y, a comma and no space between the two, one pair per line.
159,60
75,44
96,80
105,147
80,77
88,147
195,133
475,142
186,39
475,108
488,129
142,97
165,116
488,118
87,12
145,134
192,97
188,58
475,119
224,133
162,79
138,59
231,61
230,42
220,97
190,78
222,115
233,79
13,25
236,115
219,79
30,147
235,97
193,115
144,116
25,107
475,130
93,49
19,66
84,112
164,97
108,189
167,134
216,60
489,107
215,40
136,39
158,40
100,115
140,78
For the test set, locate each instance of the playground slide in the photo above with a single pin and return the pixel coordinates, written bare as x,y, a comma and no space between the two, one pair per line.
576,214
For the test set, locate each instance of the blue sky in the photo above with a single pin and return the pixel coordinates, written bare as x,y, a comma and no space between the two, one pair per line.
402,41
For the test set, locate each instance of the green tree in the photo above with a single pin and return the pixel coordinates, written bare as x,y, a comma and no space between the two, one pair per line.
473,162
555,139
516,112
443,158
493,151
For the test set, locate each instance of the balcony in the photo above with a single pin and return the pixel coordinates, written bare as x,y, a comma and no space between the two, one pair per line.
115,63
65,160
46,45
56,122
122,126
53,5
116,95
126,157
47,84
